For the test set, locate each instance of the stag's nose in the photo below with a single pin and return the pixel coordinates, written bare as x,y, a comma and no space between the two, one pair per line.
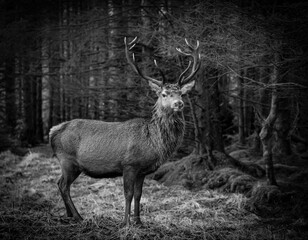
178,105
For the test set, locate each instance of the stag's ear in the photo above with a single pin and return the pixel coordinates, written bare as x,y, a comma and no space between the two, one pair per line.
187,87
156,88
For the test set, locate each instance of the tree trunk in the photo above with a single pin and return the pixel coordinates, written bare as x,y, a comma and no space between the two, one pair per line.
29,136
115,15
51,107
39,120
10,95
216,114
283,123
261,111
209,117
248,109
198,149
266,136
266,133
241,116
201,117
282,126
207,134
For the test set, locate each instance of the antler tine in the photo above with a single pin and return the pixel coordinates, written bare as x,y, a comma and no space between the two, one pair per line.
133,41
196,62
132,62
185,71
180,51
160,71
195,68
190,46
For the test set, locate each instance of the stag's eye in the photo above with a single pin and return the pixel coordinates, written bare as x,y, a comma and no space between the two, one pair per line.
164,95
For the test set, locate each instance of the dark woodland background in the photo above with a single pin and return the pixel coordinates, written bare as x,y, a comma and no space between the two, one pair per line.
61,60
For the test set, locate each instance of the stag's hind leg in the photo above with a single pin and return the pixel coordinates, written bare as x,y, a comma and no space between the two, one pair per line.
69,173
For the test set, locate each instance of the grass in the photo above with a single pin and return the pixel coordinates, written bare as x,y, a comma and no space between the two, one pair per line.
31,208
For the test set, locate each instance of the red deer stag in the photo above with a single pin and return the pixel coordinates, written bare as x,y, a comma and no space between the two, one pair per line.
131,149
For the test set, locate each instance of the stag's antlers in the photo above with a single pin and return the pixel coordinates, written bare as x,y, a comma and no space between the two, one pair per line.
196,62
182,79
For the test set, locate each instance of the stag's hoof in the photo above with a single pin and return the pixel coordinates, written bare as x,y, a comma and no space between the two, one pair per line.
127,223
69,220
138,222
78,219
124,224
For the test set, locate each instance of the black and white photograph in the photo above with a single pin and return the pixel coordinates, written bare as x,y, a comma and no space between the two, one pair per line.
154,119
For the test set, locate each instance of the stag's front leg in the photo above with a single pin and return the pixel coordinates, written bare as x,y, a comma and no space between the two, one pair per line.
137,196
129,176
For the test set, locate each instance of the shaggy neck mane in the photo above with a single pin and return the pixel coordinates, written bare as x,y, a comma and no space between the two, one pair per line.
166,131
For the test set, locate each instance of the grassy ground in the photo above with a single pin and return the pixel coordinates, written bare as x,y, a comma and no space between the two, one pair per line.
31,208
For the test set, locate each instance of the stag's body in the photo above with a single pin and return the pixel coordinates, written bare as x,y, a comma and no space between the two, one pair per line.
104,149
131,149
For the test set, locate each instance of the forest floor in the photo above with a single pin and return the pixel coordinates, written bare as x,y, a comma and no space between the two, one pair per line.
31,208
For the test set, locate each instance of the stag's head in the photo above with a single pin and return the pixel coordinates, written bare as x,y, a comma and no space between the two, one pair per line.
169,94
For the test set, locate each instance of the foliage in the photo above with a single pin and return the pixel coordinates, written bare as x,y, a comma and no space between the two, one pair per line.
229,36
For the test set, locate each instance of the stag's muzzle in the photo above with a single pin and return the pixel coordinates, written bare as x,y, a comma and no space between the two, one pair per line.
177,105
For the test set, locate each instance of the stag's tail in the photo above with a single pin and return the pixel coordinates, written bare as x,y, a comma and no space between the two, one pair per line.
54,134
